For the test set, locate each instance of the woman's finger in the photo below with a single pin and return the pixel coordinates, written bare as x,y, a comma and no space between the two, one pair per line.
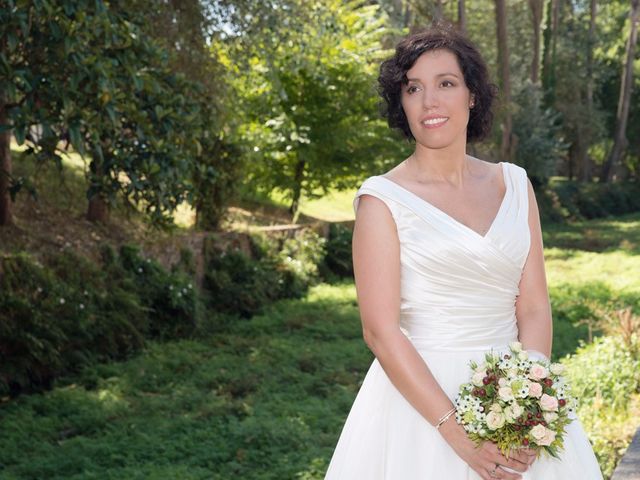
514,464
520,456
504,474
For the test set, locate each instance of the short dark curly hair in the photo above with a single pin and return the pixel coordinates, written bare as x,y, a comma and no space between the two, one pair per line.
393,75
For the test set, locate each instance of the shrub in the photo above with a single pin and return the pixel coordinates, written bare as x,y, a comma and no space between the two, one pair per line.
604,370
237,282
58,316
169,298
605,376
338,259
569,199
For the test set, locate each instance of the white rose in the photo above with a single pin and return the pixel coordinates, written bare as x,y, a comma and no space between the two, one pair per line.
538,372
535,389
509,414
505,394
502,382
517,410
476,379
557,368
495,408
538,432
512,373
548,438
548,403
550,417
495,420
523,355
515,346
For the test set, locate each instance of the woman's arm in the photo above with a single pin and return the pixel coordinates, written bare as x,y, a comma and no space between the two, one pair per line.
533,310
376,263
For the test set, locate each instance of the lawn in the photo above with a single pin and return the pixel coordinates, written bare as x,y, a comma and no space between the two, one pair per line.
266,398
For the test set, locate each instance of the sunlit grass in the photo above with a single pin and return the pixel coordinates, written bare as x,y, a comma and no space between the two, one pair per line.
618,270
334,207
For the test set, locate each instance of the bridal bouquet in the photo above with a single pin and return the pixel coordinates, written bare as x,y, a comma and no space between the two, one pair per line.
516,402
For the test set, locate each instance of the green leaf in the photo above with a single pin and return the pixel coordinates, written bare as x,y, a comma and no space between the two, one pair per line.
76,138
20,134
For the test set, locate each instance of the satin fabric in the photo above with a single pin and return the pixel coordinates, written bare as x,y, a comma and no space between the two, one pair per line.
458,291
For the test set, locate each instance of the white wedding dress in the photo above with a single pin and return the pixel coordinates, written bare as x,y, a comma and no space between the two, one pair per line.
458,292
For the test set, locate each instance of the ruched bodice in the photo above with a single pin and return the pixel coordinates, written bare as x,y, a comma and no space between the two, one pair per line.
458,288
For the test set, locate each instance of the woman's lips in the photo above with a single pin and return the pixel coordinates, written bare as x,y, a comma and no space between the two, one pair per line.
434,122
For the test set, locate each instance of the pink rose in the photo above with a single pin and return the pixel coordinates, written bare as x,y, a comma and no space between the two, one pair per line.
549,403
538,372
535,389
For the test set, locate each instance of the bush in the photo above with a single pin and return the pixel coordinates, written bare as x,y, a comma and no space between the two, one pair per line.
237,282
605,376
605,370
569,199
169,298
57,317
338,259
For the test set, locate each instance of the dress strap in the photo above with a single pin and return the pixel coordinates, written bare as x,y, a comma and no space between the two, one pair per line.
520,182
379,189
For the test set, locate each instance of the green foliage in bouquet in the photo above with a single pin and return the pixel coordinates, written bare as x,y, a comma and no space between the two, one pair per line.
516,402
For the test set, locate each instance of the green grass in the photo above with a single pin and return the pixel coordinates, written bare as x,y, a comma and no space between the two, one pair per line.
335,207
267,398
264,400
591,266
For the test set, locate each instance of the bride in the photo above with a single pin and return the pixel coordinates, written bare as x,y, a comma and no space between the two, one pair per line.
448,262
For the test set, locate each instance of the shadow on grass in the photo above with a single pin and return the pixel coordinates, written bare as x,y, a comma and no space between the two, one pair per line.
619,233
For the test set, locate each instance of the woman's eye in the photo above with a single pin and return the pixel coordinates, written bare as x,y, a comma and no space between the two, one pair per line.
412,89
447,83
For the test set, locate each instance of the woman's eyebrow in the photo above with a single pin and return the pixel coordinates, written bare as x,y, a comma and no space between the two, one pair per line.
446,74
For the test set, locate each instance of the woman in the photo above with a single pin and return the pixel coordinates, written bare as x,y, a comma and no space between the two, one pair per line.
448,263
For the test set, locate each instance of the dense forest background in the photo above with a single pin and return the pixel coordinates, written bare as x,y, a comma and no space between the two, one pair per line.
201,101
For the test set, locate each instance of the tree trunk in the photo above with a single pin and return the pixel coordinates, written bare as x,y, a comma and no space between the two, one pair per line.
438,14
549,52
98,210
537,6
297,190
462,17
6,215
584,163
620,139
504,79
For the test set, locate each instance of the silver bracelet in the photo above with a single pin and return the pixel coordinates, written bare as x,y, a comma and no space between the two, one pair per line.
445,417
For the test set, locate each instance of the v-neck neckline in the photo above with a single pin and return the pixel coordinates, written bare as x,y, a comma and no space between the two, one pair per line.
507,185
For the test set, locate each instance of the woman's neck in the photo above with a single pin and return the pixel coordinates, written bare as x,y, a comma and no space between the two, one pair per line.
443,165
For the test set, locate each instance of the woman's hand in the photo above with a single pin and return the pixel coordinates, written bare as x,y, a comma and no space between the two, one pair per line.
486,459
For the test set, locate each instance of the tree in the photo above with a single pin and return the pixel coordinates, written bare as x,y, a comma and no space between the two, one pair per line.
462,17
6,216
311,120
550,51
506,146
584,163
622,114
84,71
537,6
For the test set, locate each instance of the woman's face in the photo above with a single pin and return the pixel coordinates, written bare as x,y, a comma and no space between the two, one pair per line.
436,100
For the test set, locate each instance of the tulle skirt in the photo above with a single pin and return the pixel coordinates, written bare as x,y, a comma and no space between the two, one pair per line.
384,437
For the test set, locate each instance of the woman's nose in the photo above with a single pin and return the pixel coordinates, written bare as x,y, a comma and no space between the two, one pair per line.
429,99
